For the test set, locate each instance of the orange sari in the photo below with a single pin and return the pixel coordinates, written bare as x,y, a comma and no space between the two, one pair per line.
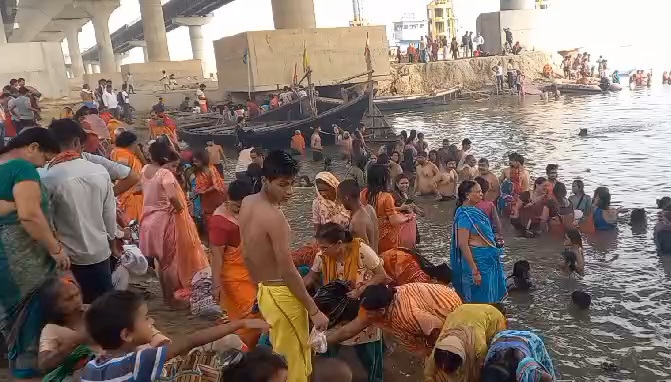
403,268
385,208
238,291
165,125
131,201
211,200
112,125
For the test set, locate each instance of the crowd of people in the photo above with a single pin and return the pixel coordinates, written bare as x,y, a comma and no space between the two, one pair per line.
70,194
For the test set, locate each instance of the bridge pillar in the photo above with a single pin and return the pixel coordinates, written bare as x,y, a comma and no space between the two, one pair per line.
294,14
117,60
71,28
95,67
100,12
195,25
143,45
87,67
3,34
155,34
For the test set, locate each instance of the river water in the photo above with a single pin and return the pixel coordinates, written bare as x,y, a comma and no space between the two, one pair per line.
628,149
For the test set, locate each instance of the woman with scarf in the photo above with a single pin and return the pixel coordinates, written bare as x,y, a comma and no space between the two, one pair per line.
477,271
518,355
462,344
389,219
231,282
169,235
210,185
126,152
345,258
29,251
325,209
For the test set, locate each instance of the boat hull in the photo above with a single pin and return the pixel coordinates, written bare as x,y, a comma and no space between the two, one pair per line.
409,102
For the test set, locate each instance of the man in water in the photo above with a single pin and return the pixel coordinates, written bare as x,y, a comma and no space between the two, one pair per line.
516,174
468,169
466,146
446,182
494,186
552,172
282,298
426,175
363,222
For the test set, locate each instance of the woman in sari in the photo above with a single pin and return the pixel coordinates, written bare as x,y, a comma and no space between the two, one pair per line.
477,271
231,282
162,124
603,216
462,344
169,235
126,153
378,197
345,258
325,209
402,267
518,355
210,185
29,251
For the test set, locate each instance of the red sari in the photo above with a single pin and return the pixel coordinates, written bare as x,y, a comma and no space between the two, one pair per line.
385,209
210,179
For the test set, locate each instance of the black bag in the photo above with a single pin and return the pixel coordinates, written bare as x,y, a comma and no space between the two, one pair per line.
332,300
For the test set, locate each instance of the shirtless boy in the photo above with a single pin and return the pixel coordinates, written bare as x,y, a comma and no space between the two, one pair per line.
282,297
516,174
217,156
426,175
446,181
363,223
494,190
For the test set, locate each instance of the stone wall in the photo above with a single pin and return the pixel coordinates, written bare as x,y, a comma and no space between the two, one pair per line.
473,74
40,63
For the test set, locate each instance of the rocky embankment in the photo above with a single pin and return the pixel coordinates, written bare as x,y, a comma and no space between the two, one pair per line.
472,74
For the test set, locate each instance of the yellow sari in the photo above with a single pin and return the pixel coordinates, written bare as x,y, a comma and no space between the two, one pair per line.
131,201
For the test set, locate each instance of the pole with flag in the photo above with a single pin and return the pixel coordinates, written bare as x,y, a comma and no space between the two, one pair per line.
245,59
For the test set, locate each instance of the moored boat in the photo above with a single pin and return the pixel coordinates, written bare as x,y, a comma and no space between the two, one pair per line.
392,103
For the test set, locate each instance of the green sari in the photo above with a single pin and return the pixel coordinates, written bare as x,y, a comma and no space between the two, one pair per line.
24,267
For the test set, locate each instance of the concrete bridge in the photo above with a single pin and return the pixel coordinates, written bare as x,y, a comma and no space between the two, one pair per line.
55,20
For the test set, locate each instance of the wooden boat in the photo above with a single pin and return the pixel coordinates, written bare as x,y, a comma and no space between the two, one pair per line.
278,135
584,89
346,115
395,103
290,111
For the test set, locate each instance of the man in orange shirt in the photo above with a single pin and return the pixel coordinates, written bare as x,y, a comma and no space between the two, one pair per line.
298,142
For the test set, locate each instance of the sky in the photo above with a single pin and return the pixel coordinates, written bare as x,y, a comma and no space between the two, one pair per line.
600,26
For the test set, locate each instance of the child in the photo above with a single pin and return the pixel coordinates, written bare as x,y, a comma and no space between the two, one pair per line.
574,258
581,299
520,279
259,365
196,108
119,322
332,370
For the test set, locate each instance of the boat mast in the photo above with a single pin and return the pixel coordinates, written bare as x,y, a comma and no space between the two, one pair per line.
369,68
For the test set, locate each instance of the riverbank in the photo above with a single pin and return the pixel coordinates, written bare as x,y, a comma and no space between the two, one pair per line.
469,73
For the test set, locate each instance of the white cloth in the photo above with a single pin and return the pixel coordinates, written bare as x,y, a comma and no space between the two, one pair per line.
318,341
478,40
244,160
110,100
84,209
133,260
125,96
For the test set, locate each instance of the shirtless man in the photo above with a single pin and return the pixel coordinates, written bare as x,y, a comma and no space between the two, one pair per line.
468,170
466,146
426,175
516,173
216,154
363,223
494,190
446,182
282,298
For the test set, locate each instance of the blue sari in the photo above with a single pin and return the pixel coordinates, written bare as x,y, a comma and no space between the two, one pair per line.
536,357
493,286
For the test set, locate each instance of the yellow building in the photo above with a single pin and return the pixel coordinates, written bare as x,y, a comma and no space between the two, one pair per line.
442,22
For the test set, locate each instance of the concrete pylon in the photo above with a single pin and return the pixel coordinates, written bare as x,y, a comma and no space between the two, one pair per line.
71,28
143,45
155,34
88,69
294,14
3,35
100,12
195,25
95,68
117,60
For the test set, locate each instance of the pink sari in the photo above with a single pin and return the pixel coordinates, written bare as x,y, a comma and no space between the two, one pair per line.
172,239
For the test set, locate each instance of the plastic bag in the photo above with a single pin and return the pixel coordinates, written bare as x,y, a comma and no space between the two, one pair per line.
133,260
318,341
332,300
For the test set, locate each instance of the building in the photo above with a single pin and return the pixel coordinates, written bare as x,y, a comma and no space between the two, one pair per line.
442,22
543,4
408,31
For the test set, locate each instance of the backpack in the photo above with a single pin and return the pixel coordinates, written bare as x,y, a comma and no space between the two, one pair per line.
120,99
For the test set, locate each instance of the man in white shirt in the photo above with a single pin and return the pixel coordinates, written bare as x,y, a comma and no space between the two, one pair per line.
285,96
478,41
126,109
245,158
84,210
110,101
